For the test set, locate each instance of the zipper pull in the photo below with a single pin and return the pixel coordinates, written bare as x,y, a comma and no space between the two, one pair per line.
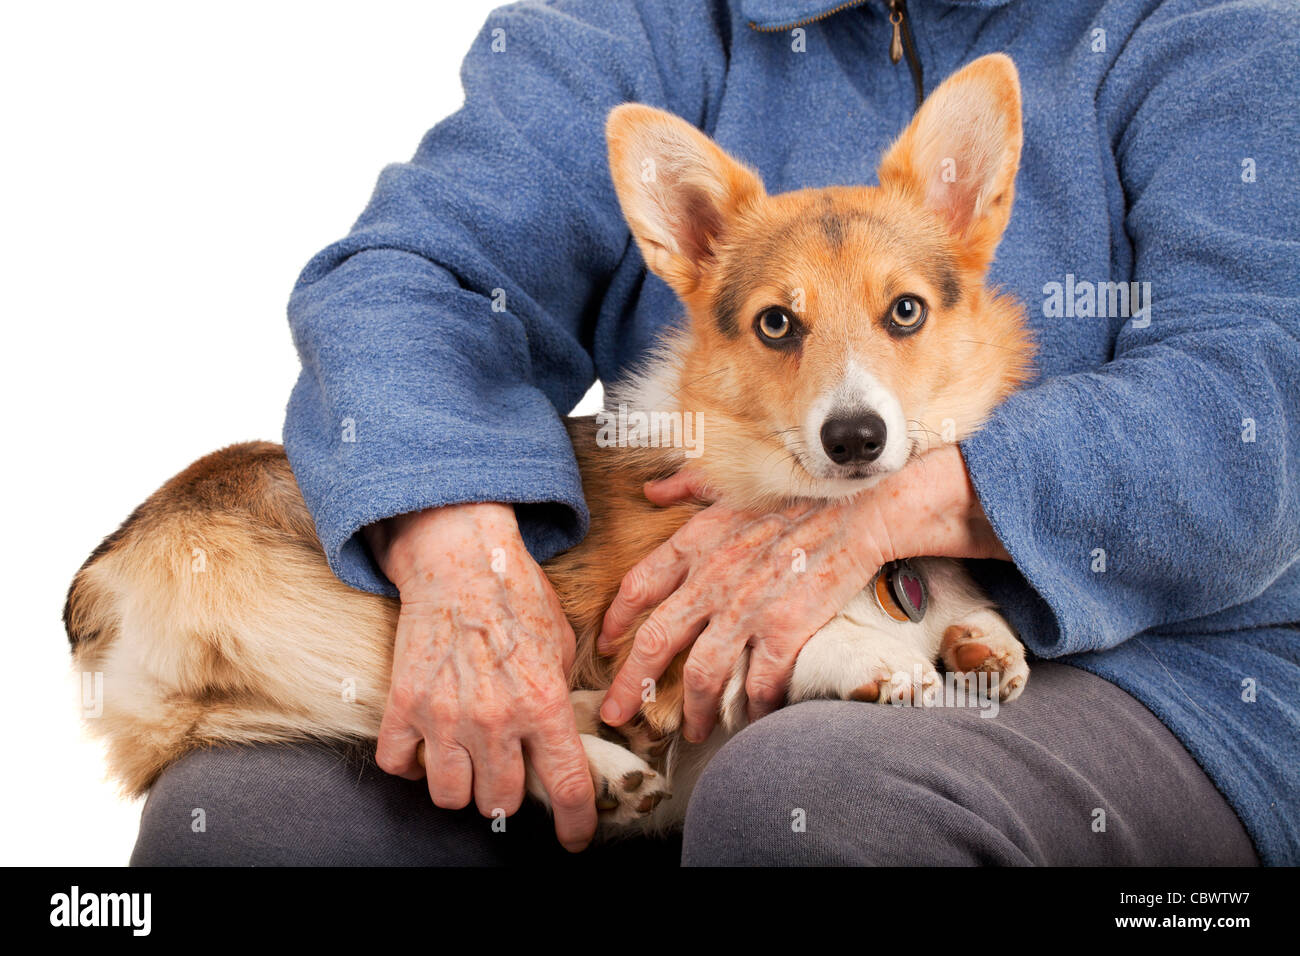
896,44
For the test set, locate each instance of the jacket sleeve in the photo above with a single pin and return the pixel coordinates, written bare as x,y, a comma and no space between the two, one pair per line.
1164,486
443,337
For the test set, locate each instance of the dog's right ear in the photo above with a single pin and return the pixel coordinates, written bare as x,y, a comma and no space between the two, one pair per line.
678,190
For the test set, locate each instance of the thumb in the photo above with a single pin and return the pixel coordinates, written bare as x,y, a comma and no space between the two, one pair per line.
679,487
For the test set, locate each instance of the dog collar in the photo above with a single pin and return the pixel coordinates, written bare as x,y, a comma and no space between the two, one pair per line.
901,592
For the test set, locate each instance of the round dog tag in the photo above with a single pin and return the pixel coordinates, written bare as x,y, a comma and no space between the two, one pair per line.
901,592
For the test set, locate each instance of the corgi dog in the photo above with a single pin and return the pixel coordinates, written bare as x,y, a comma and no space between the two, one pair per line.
831,336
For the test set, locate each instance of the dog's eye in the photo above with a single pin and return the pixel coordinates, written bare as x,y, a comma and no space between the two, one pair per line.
906,315
775,324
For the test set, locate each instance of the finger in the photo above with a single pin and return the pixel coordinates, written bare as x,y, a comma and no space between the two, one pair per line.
498,777
451,773
679,487
560,763
396,750
650,581
673,626
771,662
705,675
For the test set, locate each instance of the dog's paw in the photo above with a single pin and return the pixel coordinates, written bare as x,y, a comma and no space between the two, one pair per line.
627,788
902,679
848,661
985,643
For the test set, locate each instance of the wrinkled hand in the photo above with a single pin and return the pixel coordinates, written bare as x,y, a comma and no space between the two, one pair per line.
479,668
730,579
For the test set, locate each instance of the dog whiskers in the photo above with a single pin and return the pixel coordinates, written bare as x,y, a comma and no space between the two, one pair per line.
990,345
676,393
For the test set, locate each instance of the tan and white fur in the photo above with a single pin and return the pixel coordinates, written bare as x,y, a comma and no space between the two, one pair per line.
261,642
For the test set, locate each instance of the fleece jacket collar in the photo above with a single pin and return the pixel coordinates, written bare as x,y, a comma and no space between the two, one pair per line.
786,14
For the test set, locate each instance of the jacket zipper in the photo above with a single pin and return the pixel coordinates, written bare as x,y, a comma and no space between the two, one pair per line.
901,43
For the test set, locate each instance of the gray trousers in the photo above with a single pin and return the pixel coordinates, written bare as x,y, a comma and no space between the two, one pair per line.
1074,772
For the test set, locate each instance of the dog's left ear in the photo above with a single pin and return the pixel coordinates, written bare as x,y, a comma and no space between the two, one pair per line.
678,189
960,154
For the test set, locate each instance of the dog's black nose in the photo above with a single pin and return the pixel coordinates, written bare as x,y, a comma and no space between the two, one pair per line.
854,440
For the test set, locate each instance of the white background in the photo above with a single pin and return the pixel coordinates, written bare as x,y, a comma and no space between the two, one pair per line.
167,170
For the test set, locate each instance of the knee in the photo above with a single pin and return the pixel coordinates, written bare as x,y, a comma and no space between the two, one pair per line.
834,782
186,818
313,805
245,806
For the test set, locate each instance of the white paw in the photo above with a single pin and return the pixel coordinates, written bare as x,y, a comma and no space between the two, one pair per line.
985,643
627,789
900,676
848,661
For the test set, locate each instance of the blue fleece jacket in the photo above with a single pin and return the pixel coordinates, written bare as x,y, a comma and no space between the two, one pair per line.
1147,486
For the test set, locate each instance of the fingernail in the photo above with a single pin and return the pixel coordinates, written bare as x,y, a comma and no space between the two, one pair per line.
610,712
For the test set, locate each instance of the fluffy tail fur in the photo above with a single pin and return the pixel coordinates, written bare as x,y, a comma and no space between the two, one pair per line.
213,617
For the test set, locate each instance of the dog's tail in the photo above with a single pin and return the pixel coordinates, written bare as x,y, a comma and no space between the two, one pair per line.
211,617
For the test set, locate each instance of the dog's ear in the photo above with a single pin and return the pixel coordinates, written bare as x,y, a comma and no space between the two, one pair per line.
678,190
960,154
